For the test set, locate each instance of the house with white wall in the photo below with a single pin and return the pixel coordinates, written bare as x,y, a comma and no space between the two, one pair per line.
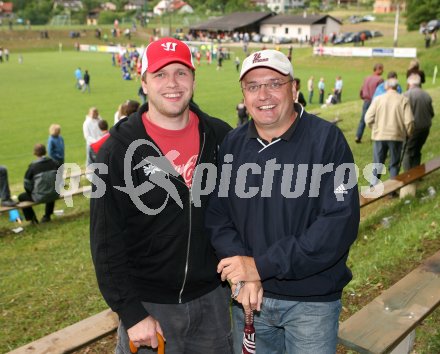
299,28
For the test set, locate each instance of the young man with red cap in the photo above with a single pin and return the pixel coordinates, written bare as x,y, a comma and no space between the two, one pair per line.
155,266
284,232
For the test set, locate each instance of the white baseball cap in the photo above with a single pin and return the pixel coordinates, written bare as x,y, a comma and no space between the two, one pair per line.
268,58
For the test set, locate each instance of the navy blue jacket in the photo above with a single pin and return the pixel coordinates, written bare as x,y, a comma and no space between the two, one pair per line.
298,229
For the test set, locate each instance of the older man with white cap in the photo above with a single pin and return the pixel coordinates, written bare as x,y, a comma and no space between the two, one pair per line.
283,232
154,264
392,123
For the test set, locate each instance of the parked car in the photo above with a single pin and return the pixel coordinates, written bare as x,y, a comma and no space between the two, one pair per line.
368,34
355,19
368,18
282,40
376,34
359,19
356,36
341,37
351,37
433,25
256,38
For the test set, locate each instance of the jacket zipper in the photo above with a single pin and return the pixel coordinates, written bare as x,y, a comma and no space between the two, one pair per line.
190,225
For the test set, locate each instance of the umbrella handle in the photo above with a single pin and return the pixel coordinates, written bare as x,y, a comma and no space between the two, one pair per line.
160,347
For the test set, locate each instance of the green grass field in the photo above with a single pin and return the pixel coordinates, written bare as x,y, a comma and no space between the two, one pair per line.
46,275
41,91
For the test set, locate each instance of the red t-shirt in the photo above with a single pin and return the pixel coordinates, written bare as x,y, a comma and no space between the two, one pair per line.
181,147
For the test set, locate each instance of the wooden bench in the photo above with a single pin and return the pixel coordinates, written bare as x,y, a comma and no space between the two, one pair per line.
78,174
408,177
20,205
73,337
390,319
377,328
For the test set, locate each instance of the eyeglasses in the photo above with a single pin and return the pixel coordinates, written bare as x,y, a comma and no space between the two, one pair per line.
272,86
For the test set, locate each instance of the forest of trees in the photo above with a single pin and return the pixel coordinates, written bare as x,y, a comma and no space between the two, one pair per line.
41,11
419,11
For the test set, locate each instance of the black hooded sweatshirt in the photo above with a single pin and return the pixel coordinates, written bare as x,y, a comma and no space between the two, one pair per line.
151,245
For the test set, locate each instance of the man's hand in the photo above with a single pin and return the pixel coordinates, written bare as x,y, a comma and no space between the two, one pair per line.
251,296
238,268
143,333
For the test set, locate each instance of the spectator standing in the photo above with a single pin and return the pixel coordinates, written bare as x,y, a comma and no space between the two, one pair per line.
40,185
434,37
427,40
338,89
154,264
367,91
291,265
78,77
55,144
220,57
381,89
125,109
96,146
414,68
6,51
392,123
298,96
119,112
289,54
321,89
237,64
142,95
423,111
86,79
363,37
131,107
243,115
310,88
5,193
91,132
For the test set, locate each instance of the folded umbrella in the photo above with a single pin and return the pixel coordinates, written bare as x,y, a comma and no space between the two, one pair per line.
248,346
160,347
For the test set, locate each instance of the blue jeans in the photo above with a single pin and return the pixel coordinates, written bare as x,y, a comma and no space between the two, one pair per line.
361,126
380,152
291,327
200,326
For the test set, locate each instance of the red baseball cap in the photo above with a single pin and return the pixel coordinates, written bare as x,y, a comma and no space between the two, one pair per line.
165,51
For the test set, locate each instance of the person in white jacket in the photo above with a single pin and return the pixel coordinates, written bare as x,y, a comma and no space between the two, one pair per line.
91,132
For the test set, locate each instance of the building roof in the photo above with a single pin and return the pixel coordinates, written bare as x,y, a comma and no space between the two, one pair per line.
232,21
68,4
178,4
298,20
6,7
